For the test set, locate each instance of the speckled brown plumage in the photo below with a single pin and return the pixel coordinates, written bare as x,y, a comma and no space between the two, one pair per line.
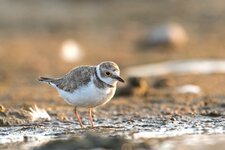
76,78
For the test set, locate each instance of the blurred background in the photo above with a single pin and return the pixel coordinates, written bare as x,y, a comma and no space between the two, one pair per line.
49,37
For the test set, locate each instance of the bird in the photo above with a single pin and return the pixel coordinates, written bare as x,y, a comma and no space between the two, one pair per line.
87,86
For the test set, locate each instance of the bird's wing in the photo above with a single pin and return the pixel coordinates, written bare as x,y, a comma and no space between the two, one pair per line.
75,78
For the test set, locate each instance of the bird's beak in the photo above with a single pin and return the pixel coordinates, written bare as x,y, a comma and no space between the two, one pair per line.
118,78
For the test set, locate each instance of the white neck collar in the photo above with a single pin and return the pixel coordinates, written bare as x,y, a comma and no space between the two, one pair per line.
98,74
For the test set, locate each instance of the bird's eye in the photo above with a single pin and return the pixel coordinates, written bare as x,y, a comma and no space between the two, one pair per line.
108,73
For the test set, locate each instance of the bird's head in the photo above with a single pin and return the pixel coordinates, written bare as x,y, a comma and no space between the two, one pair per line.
109,72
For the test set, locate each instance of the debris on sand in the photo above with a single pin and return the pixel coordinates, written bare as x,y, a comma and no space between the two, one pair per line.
188,88
37,113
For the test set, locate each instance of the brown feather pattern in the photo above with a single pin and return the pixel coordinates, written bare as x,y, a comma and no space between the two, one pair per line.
76,78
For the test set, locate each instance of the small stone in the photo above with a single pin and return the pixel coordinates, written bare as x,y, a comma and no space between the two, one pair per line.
137,86
211,113
2,108
171,34
162,82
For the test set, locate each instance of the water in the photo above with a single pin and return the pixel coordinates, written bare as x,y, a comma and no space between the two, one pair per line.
176,130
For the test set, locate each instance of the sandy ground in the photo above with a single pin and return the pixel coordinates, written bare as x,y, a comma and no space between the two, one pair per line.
139,114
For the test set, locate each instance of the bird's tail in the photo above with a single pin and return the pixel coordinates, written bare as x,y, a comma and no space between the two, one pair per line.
46,79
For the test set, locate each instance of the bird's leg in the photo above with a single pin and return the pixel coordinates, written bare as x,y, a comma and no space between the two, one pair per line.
90,117
78,117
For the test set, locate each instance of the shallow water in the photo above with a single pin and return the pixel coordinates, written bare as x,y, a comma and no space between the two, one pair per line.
132,129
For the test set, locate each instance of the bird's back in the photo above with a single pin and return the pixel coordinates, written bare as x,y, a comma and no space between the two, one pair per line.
76,78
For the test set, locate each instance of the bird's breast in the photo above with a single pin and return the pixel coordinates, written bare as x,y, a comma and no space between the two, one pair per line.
88,95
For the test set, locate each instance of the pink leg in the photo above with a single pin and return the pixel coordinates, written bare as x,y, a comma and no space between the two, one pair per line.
78,117
90,117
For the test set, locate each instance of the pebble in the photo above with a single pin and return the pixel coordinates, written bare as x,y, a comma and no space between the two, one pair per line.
137,86
162,83
170,34
188,88
2,108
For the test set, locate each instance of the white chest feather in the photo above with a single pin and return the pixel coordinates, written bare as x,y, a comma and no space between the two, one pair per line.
88,96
